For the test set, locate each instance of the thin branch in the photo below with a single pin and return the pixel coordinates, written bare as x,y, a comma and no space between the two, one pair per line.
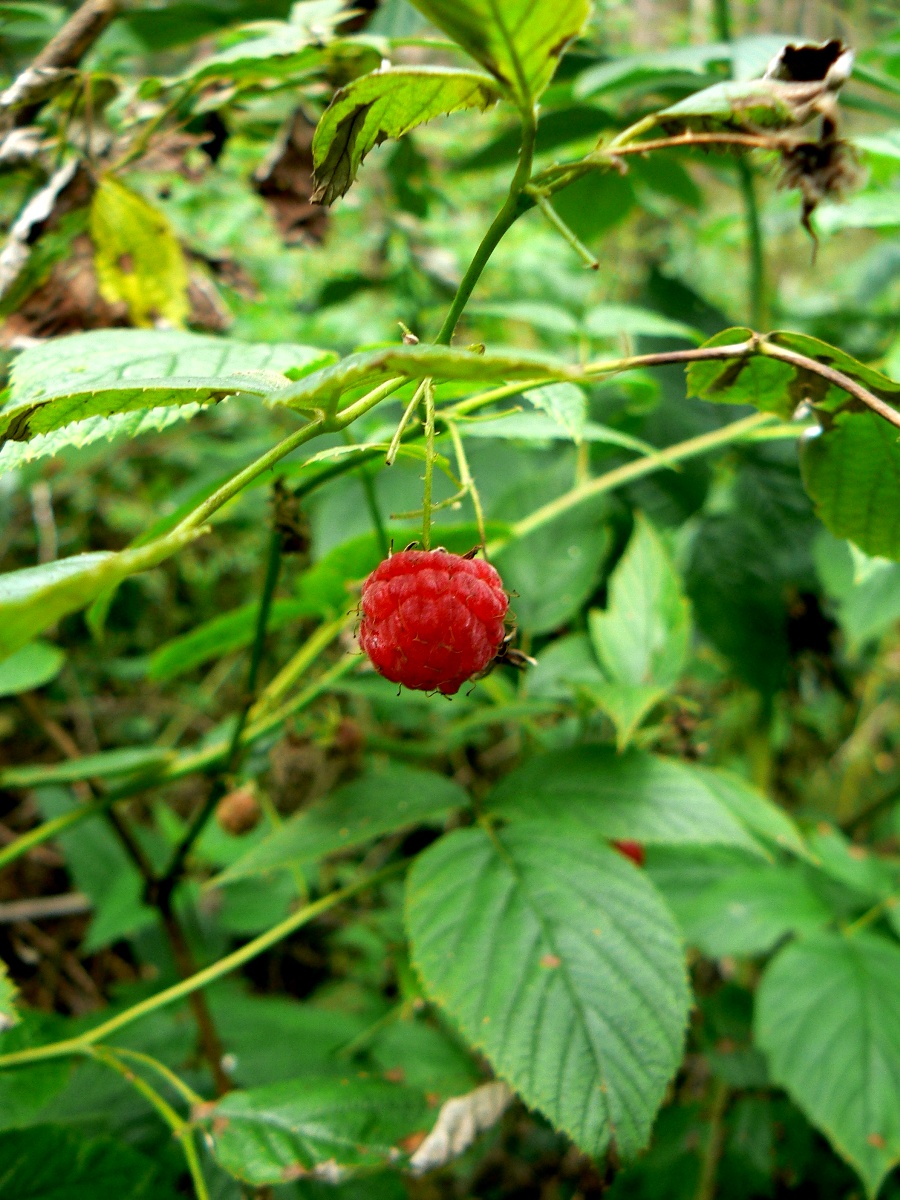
201,979
706,1189
753,141
838,378
44,908
65,50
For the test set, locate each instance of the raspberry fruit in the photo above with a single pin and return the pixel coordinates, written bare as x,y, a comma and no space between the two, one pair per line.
632,850
431,619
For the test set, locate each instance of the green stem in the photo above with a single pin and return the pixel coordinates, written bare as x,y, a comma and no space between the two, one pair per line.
756,279
429,465
238,482
233,754
468,480
368,487
722,18
629,472
514,206
295,667
174,1081
200,979
111,1058
871,914
569,235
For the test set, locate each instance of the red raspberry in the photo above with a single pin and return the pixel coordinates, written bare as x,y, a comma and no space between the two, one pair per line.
431,619
632,850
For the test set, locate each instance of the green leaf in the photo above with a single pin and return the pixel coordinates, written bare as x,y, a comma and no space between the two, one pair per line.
103,871
137,257
47,1162
218,637
626,705
569,551
83,433
747,561
26,1090
565,403
387,104
874,209
385,798
642,636
779,387
631,795
281,1132
276,1037
754,810
850,864
565,669
765,383
8,990
536,426
614,320
31,667
828,1020
559,962
33,599
866,590
427,1057
744,58
518,41
279,48
750,104
107,764
641,639
371,367
851,470
750,910
122,370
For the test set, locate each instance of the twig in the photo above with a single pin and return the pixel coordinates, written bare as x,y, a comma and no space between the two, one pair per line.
43,908
64,50
845,382
706,1189
202,979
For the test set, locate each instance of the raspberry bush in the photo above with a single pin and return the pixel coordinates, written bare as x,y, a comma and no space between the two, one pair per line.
284,286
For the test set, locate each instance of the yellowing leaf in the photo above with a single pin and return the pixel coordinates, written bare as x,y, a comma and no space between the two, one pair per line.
137,257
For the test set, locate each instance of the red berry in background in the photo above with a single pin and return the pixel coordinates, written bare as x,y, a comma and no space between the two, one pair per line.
632,850
431,619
